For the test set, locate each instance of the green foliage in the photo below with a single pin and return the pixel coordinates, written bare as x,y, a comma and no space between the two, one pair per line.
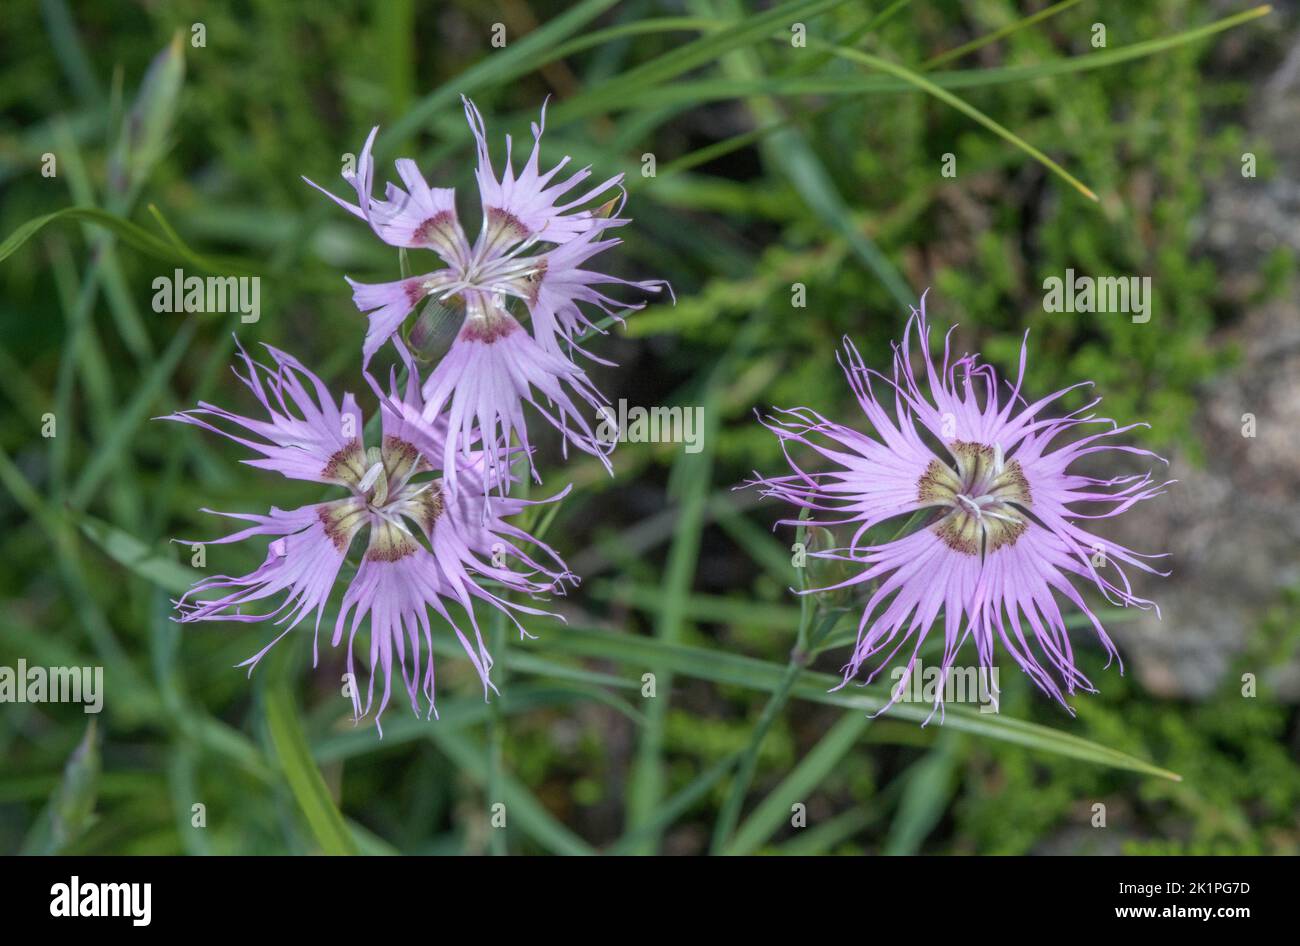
1240,787
777,165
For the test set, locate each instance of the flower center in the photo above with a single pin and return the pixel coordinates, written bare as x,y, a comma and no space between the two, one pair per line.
499,265
480,283
982,498
383,497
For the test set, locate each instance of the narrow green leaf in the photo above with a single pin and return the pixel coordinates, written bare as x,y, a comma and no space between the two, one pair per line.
662,24
458,713
129,233
1098,60
789,150
522,807
498,839
737,670
519,56
774,810
125,549
91,616
729,813
706,49
301,773
699,607
821,838
118,439
927,790
691,472
690,479
981,41
70,51
696,92
943,95
676,806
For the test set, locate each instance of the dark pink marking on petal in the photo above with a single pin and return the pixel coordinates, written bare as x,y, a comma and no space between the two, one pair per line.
488,332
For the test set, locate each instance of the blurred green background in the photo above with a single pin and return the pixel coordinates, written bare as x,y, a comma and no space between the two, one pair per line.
775,164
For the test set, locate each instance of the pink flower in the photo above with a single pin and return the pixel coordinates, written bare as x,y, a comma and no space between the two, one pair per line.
425,547
537,233
1003,540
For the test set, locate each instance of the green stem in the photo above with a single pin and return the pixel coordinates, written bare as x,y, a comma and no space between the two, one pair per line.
799,656
496,742
730,813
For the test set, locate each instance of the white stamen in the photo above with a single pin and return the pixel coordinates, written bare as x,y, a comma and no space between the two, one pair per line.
371,476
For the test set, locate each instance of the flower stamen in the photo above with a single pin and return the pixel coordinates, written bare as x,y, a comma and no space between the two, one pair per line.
981,497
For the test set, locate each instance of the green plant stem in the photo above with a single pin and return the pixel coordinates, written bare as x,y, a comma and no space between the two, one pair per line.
730,813
496,743
770,813
799,655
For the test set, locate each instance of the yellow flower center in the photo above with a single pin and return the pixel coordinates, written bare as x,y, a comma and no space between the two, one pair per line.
983,498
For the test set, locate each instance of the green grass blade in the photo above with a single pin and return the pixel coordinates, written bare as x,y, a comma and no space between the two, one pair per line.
706,49
981,41
86,606
498,840
926,792
700,91
662,24
676,806
130,234
691,472
699,607
789,150
301,773
128,551
774,809
522,807
460,713
737,670
73,809
517,58
691,475
70,51
1110,57
943,95
120,438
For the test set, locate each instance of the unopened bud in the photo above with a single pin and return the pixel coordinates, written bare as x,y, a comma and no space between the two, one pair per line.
146,127
435,328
